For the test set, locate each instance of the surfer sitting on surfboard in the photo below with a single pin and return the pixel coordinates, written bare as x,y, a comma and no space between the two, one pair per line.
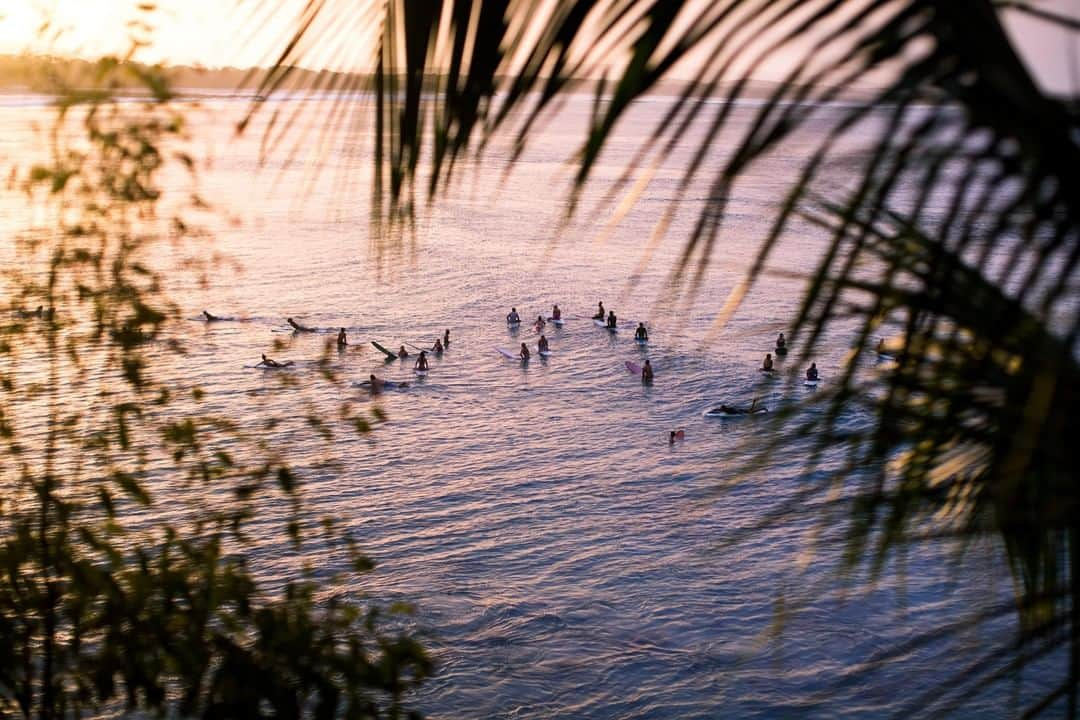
209,317
646,372
512,316
402,352
599,313
781,343
611,320
421,362
542,345
268,362
342,340
812,373
641,333
298,327
556,313
767,364
524,352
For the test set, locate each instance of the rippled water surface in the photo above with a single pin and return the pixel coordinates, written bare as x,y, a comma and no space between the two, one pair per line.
566,560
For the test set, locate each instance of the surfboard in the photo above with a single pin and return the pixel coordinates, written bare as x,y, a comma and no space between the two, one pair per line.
390,355
766,372
283,366
386,384
811,383
507,354
718,413
780,351
544,353
641,342
633,368
558,323
420,373
602,324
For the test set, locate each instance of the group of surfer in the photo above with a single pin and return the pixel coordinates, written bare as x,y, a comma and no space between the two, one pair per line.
40,313
781,349
641,335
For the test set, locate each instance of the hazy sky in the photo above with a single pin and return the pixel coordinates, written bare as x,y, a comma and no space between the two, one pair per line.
222,32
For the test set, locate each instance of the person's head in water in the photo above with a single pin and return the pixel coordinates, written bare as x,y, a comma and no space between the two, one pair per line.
423,353
372,377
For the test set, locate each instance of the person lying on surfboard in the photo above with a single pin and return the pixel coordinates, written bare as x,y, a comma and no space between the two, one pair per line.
556,313
512,316
611,320
421,362
599,313
298,327
767,364
812,373
542,345
446,338
402,352
641,333
342,340
676,435
540,323
781,343
524,352
210,318
646,372
268,362
438,346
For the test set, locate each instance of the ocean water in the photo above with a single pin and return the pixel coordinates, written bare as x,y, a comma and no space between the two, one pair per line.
564,559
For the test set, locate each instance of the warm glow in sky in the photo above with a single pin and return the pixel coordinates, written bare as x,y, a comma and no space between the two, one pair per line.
207,32
242,33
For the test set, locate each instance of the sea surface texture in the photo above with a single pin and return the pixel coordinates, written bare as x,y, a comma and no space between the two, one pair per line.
563,558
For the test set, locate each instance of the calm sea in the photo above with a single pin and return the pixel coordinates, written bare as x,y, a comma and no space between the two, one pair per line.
564,559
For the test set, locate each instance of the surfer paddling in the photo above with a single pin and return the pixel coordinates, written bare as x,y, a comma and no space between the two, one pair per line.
271,363
298,327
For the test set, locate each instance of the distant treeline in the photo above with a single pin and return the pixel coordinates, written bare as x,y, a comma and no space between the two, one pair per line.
48,74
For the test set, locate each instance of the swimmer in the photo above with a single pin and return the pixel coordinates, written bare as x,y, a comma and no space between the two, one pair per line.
781,343
641,333
556,313
342,340
512,316
422,362
438,346
540,323
542,345
446,338
767,363
611,320
646,372
812,372
402,352
524,352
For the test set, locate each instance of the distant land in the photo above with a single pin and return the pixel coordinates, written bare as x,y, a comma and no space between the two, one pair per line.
38,74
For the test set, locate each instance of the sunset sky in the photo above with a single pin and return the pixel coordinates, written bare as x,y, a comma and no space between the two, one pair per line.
218,33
